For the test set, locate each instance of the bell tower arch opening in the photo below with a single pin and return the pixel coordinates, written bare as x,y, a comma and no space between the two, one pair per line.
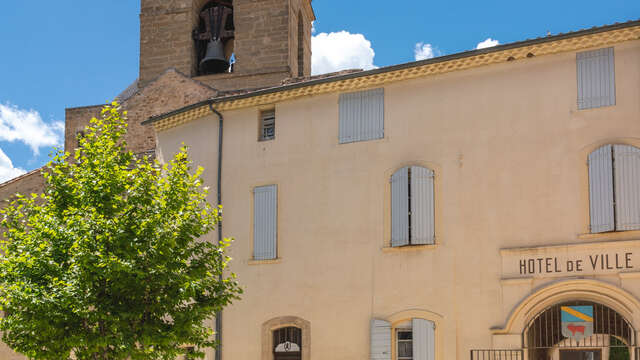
269,40
214,37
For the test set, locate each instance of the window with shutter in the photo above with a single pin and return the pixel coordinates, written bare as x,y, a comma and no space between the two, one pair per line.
413,339
412,207
614,188
267,125
265,222
361,116
596,78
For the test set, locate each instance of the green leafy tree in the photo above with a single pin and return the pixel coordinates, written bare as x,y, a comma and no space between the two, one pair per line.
112,261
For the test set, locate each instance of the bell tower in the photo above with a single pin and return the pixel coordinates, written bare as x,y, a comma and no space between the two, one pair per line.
226,44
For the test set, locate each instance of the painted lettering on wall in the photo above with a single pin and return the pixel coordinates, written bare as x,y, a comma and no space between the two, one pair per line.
590,263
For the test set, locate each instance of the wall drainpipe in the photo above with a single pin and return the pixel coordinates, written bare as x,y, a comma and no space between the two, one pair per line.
219,189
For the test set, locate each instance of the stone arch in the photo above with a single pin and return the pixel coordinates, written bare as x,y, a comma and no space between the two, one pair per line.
280,322
569,290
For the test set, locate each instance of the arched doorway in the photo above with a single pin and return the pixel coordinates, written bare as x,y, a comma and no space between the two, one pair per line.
579,330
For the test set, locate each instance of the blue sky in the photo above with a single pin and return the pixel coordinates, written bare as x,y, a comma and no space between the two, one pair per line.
59,54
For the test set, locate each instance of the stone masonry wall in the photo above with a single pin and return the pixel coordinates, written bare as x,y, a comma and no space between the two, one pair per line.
31,182
168,92
262,35
165,37
227,82
297,11
76,119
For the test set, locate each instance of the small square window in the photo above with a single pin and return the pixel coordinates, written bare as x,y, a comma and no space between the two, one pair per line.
267,125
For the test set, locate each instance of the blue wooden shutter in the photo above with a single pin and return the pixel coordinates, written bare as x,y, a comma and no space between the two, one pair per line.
372,120
423,339
400,207
601,190
596,78
361,116
265,222
380,340
627,187
422,206
349,121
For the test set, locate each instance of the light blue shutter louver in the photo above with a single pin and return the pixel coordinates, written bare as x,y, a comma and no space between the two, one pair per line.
422,206
596,78
627,187
361,116
423,339
400,207
380,340
265,222
601,189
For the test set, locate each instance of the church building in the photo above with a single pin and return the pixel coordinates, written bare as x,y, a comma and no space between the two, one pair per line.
482,205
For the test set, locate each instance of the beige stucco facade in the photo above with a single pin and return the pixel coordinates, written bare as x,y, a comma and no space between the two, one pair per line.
500,128
509,150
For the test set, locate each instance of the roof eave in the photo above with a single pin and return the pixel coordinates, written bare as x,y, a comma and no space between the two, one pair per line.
399,67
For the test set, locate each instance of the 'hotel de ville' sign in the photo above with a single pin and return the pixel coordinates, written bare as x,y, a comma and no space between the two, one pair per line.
571,260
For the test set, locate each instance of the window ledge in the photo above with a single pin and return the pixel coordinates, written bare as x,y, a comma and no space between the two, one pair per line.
613,235
263,262
406,248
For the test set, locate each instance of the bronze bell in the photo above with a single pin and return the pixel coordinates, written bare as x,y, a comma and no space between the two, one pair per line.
214,60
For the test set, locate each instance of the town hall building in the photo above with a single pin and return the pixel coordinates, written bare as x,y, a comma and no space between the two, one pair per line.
482,205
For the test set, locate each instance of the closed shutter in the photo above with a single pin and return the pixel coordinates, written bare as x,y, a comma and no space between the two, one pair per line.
265,222
423,339
400,207
361,116
380,340
627,187
422,206
372,120
601,189
349,121
596,78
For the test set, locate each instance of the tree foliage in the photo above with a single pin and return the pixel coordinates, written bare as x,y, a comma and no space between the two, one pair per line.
112,261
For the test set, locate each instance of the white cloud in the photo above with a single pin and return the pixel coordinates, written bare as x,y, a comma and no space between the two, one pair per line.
487,43
423,51
7,170
340,51
28,127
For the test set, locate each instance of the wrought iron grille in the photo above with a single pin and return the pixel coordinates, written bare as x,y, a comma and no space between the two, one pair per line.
610,329
291,335
492,354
